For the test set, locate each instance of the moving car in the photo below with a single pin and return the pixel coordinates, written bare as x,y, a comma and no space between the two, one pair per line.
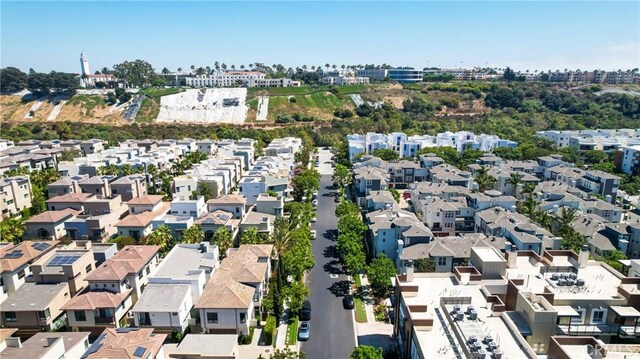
305,312
304,331
348,302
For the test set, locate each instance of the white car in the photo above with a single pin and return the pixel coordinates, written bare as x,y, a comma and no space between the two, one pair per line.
313,220
313,233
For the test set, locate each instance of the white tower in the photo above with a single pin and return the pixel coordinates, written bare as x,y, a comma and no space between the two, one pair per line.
84,64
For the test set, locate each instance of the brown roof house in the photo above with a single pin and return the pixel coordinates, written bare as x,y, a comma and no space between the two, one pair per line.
49,224
113,288
125,343
46,345
15,260
233,295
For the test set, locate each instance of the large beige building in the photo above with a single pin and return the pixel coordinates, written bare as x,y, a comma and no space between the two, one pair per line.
15,195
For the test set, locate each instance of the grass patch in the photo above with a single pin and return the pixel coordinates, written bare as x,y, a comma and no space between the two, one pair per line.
149,110
269,331
156,93
356,278
361,312
302,90
253,104
88,102
319,104
292,331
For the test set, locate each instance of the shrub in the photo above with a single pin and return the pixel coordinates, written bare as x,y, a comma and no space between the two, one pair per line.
269,330
292,99
246,339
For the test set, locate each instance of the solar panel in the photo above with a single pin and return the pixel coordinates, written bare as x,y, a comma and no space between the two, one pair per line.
41,246
63,260
13,254
139,352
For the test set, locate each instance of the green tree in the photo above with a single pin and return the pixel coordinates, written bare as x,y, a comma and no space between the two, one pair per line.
484,180
305,183
193,234
252,236
137,73
380,272
341,175
223,239
11,230
123,241
298,257
386,154
395,194
595,156
287,354
297,292
515,180
12,80
161,236
424,265
509,74
366,352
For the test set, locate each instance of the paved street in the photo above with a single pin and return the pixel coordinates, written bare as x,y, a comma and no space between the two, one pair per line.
332,335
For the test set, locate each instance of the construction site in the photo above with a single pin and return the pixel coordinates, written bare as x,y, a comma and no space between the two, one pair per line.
218,105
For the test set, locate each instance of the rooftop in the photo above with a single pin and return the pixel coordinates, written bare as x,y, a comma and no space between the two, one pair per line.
129,260
33,297
14,256
123,343
184,258
39,345
162,298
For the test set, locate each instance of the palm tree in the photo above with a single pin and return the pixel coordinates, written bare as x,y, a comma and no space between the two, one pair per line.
528,189
224,66
208,68
223,239
241,67
281,236
334,66
111,170
313,68
179,69
343,66
326,66
126,170
515,180
216,65
233,67
165,71
161,236
193,67
529,207
11,230
193,234
567,216
483,179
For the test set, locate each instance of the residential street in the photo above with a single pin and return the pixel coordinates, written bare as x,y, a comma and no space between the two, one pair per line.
332,329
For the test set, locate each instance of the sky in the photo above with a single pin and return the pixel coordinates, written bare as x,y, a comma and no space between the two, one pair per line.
540,35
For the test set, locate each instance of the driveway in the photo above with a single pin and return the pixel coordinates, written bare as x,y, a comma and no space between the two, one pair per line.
332,327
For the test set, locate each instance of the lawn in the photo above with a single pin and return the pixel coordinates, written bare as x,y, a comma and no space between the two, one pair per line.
302,90
319,104
361,313
150,107
292,331
357,279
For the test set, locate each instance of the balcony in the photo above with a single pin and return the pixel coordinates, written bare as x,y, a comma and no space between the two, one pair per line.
104,320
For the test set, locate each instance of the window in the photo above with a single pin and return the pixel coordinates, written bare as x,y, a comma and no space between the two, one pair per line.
148,270
88,268
243,317
140,275
10,317
212,318
21,274
442,261
580,319
598,316
80,315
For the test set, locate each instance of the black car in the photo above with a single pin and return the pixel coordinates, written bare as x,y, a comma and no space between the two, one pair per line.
348,302
305,312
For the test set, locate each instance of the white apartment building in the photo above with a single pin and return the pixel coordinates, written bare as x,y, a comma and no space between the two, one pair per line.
630,163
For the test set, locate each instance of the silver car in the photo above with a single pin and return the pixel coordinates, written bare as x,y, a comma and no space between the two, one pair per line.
304,331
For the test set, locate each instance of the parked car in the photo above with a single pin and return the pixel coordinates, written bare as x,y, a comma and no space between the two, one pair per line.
305,312
337,199
313,234
348,302
314,203
313,220
304,331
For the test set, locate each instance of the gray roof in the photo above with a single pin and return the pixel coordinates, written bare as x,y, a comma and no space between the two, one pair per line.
32,297
224,345
182,259
162,298
601,242
452,246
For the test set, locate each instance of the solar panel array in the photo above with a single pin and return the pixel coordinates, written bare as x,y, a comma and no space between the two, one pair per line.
139,352
63,260
13,254
41,246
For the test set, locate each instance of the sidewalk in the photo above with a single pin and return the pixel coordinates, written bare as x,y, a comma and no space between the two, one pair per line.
368,302
373,333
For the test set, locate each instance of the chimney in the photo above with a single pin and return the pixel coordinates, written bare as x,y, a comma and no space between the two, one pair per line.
512,257
583,256
14,342
409,270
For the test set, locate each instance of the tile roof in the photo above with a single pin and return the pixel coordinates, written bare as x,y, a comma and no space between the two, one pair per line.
93,300
148,199
122,343
10,260
52,216
228,199
142,219
70,197
129,260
